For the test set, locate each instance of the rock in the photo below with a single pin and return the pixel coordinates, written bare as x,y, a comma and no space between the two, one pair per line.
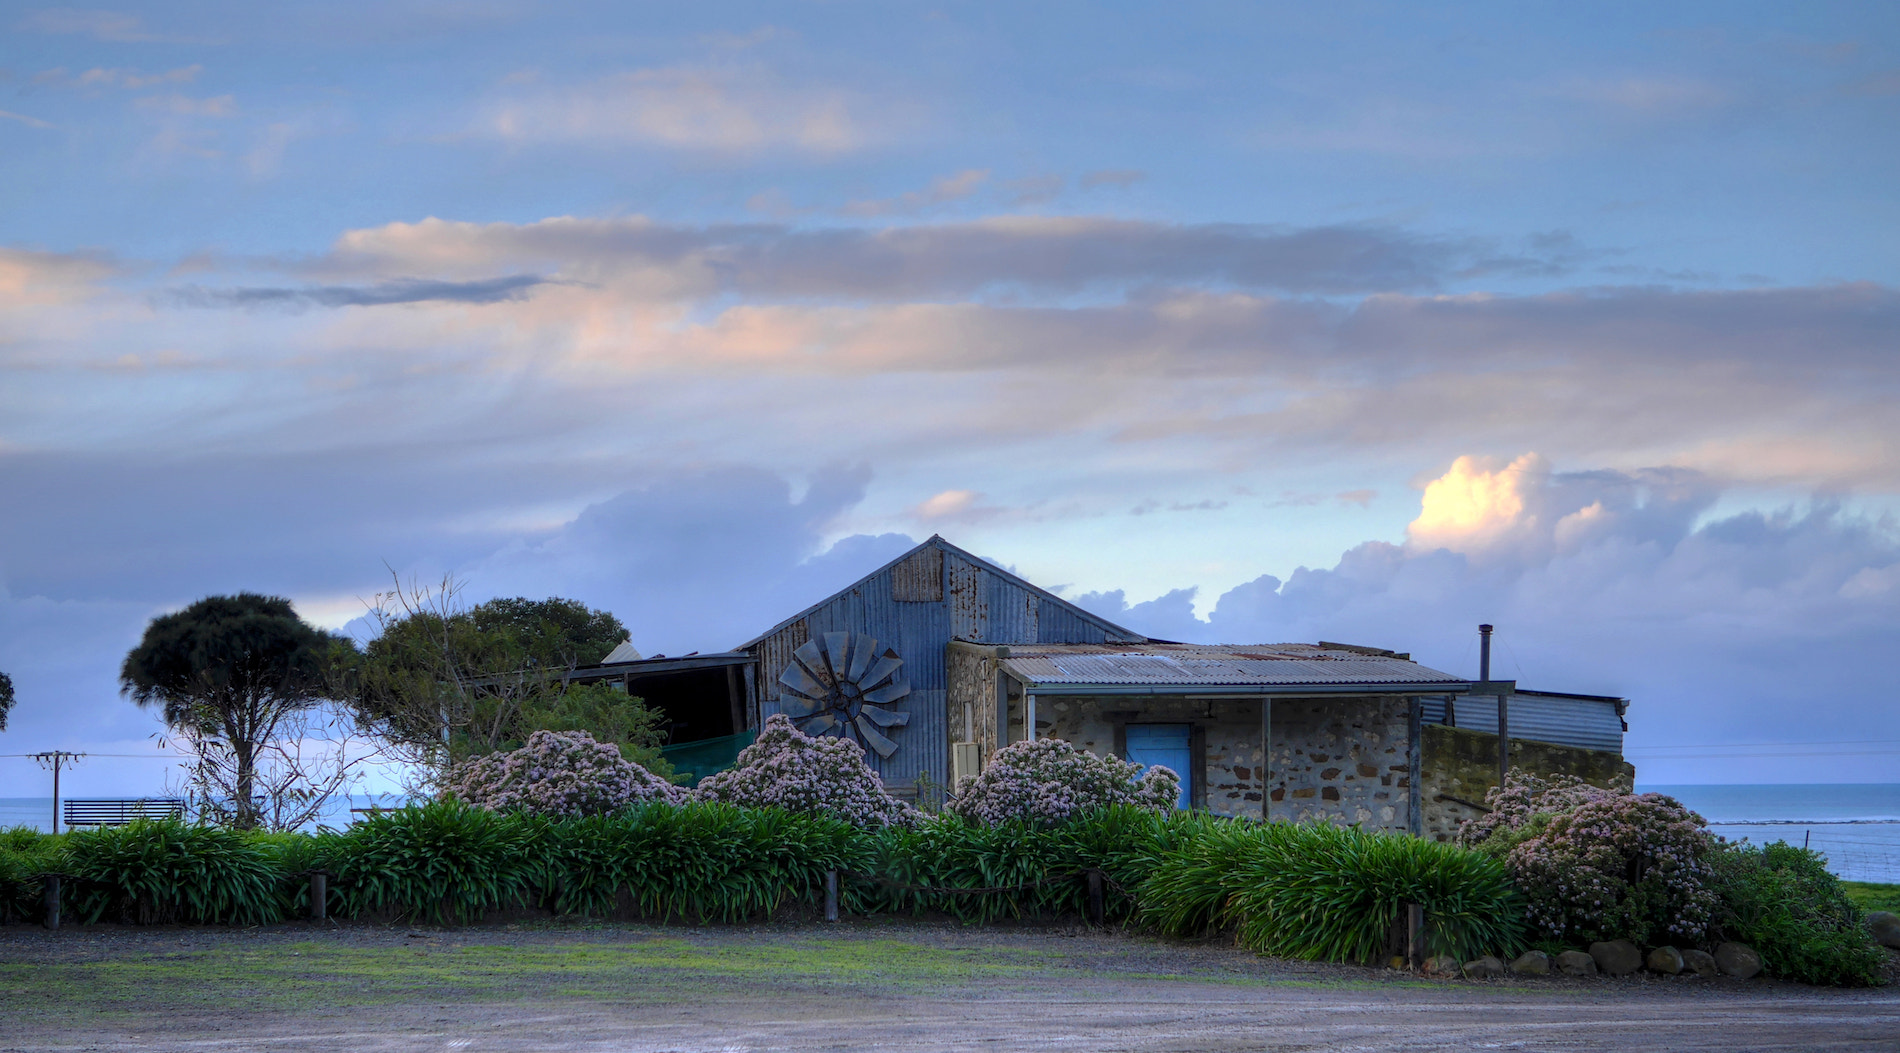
1664,960
1738,960
1485,968
1533,963
1617,957
1576,963
1701,961
1443,966
1397,962
1885,925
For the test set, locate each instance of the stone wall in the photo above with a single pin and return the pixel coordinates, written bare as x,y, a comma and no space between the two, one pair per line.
1342,760
1339,760
1461,766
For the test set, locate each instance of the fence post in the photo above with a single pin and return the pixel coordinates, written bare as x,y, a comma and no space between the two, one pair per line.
1414,935
319,895
51,899
1097,915
831,895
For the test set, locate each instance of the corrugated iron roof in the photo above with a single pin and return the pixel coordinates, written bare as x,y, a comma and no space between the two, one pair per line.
1170,667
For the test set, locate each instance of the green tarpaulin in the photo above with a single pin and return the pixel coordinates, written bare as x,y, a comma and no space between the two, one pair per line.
696,760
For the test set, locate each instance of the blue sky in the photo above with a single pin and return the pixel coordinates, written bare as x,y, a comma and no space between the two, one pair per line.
1245,322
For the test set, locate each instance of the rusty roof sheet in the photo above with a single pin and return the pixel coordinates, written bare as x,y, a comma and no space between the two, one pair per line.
1241,667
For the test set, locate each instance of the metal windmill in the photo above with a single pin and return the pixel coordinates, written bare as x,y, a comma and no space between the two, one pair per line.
839,683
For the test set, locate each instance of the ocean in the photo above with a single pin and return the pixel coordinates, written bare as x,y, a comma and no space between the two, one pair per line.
1855,825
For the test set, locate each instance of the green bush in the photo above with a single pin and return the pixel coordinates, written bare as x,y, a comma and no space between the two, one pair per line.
163,870
1022,868
440,862
25,854
1782,901
706,860
1321,892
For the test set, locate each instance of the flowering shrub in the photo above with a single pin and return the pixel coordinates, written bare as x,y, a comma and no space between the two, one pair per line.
1601,864
1048,781
789,769
559,773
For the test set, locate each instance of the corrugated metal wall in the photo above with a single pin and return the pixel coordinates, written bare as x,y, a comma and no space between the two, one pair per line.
1578,722
917,606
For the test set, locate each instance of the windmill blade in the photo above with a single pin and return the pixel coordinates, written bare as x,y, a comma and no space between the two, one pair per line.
837,653
880,669
796,706
811,656
796,678
884,718
819,724
884,747
862,652
889,693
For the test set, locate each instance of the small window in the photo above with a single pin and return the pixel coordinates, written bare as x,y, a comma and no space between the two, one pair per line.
1169,746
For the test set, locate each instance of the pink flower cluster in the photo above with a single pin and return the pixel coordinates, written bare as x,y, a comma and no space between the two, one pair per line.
1598,864
559,773
1048,781
786,768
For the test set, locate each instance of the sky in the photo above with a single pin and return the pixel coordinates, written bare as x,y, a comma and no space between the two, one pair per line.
1235,322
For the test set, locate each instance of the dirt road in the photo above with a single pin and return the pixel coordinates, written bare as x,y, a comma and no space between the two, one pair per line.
853,987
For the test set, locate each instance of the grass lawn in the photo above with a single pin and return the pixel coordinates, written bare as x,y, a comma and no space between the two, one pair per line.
1873,896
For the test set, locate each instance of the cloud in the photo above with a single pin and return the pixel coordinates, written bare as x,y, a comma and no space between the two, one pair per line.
699,561
186,106
1045,254
1605,582
955,187
129,79
716,110
35,278
30,122
1115,177
109,26
487,291
1649,95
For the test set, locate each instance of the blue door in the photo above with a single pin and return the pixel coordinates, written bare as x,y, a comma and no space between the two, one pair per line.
1165,745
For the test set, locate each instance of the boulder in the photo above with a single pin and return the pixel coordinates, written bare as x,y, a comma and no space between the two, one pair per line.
1576,963
1885,925
1533,963
1738,960
1702,962
1664,960
1485,968
1617,957
1443,966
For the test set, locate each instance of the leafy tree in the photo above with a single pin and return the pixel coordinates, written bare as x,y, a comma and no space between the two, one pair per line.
6,699
450,682
231,674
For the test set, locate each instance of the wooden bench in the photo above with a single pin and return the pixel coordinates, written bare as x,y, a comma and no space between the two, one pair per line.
119,811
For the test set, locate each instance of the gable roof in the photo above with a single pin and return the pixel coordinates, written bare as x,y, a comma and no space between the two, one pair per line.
936,541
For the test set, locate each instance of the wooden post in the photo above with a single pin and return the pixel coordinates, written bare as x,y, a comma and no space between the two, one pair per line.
1414,935
50,897
1266,758
1415,765
831,895
1097,913
319,895
1504,740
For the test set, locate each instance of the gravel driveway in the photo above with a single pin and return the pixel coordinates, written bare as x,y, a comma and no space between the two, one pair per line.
856,986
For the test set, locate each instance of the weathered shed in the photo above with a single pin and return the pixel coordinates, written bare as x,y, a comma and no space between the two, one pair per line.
914,606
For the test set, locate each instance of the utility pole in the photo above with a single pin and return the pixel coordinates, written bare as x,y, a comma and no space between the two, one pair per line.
55,760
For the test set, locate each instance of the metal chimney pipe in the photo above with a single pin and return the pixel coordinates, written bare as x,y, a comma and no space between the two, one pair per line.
1504,713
